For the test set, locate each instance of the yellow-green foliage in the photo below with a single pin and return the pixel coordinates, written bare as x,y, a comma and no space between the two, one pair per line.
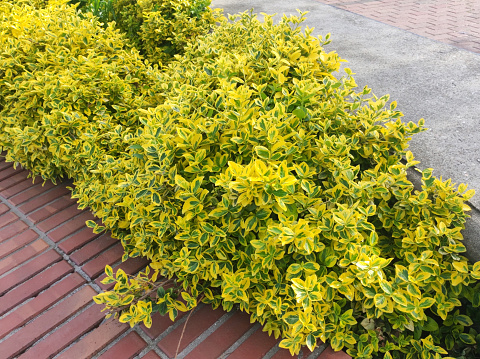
260,180
64,78
265,182
161,29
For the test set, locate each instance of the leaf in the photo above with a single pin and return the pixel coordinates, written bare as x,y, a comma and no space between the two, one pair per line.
300,113
400,299
262,152
368,323
387,288
426,303
467,338
108,271
463,320
291,318
181,182
430,325
311,342
373,238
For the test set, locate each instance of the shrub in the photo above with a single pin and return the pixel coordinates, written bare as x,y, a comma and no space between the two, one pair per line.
266,183
160,29
260,180
64,78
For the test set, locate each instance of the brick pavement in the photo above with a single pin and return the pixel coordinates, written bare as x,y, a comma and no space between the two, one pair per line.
454,22
51,265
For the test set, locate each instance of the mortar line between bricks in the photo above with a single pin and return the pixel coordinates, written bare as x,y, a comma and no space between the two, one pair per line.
317,351
38,195
43,312
205,334
44,205
382,21
271,352
171,329
68,220
26,262
110,345
10,311
239,341
32,185
151,343
51,244
59,327
84,335
151,346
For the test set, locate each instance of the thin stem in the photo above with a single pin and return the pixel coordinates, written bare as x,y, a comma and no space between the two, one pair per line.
184,326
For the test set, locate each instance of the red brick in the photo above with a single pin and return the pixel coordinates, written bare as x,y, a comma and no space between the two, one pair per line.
7,218
160,323
70,227
222,338
91,249
44,198
28,270
199,322
50,209
131,266
284,354
95,341
17,242
256,346
151,355
19,187
22,255
77,240
329,353
34,286
3,209
41,325
34,307
12,230
4,164
30,191
12,181
59,218
127,347
8,172
97,265
66,334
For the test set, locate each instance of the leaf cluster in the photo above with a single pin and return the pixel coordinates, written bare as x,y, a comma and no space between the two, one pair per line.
251,175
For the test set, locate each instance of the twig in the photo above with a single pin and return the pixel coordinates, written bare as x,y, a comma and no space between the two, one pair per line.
185,326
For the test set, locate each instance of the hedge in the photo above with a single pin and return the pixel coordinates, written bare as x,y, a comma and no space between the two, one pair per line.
251,174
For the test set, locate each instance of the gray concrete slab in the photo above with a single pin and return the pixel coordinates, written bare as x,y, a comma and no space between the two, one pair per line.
428,79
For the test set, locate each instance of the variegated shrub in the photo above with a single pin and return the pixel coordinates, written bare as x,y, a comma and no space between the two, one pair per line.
251,177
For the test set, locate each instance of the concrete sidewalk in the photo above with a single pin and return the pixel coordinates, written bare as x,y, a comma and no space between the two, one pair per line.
428,79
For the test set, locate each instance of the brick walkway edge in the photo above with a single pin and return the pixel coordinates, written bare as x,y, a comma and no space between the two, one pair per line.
454,22
51,265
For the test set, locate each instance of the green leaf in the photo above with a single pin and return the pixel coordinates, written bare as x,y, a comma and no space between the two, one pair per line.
291,318
430,325
91,224
108,271
311,342
262,152
300,113
463,320
387,288
400,299
467,338
426,303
